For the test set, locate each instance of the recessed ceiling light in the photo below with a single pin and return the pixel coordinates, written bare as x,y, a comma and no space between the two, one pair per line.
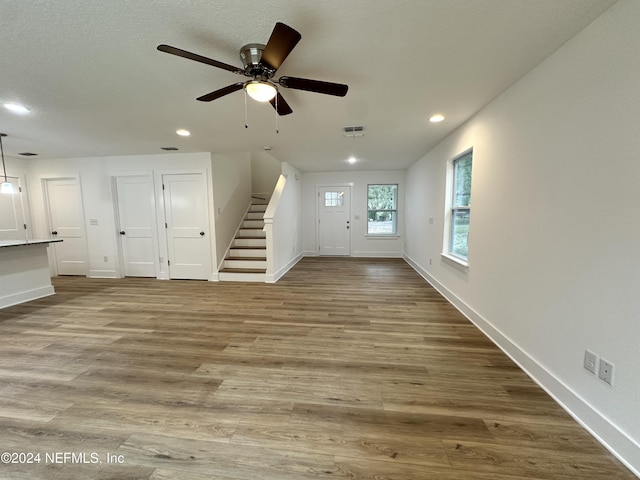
352,160
183,133
16,108
437,118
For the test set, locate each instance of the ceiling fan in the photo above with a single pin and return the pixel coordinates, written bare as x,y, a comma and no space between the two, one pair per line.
260,64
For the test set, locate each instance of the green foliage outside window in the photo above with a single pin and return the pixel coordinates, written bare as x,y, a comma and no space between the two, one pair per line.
382,206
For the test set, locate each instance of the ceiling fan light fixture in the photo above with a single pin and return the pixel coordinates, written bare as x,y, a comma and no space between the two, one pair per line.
260,91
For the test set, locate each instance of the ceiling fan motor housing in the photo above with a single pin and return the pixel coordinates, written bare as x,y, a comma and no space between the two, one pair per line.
250,55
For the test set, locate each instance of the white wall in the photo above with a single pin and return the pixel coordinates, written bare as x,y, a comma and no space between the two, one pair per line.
554,247
232,195
283,224
361,245
95,182
265,171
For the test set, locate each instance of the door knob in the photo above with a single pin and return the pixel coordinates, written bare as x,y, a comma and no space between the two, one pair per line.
54,232
122,232
202,233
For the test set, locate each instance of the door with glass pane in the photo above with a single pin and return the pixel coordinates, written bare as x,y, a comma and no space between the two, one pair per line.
334,220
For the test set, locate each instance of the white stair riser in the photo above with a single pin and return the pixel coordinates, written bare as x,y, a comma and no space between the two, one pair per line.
255,215
253,223
245,264
250,242
258,208
243,252
243,232
241,277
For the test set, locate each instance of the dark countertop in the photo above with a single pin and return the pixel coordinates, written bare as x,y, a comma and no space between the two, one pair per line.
22,243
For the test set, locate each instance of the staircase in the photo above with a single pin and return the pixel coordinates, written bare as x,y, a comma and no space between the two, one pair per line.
247,257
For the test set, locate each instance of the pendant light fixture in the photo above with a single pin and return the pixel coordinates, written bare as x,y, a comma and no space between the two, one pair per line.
6,187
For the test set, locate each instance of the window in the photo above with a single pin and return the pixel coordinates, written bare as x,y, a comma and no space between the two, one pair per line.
333,199
382,209
460,209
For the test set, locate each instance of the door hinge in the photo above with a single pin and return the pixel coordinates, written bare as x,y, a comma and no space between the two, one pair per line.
24,225
20,189
165,225
168,262
163,186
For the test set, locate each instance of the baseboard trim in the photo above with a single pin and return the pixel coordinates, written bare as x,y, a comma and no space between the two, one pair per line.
103,274
623,447
26,296
364,254
273,278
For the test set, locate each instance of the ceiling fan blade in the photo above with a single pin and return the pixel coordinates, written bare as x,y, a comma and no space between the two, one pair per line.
221,92
281,42
283,107
199,58
328,88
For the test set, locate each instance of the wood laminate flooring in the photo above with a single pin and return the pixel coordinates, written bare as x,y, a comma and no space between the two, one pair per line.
346,368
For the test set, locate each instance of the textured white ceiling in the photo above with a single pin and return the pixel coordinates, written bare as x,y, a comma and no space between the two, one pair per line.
97,86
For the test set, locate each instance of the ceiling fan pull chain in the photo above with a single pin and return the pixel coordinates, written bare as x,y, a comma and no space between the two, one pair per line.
246,116
276,113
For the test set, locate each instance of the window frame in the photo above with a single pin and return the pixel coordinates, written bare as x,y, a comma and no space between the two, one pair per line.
452,209
393,211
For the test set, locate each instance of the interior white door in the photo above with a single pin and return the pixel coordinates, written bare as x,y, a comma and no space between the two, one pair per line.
334,220
12,223
66,220
187,226
136,217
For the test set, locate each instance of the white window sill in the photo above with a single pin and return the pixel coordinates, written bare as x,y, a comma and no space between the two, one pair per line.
382,237
456,262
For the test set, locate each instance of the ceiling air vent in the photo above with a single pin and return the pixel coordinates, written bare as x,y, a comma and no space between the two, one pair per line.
354,131
169,149
28,154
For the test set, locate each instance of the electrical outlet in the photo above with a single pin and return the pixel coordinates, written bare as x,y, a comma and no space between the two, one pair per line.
590,361
605,373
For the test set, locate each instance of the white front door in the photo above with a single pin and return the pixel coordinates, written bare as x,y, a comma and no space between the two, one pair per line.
187,226
136,217
12,223
334,220
66,221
